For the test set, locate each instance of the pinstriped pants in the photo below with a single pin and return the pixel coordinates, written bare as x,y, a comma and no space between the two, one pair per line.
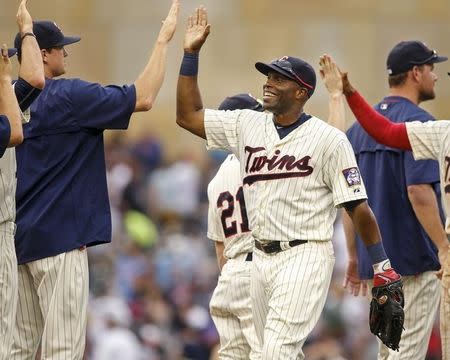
445,323
288,291
53,297
422,294
231,310
8,288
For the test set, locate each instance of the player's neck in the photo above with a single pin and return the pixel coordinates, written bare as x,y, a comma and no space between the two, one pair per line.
287,119
405,92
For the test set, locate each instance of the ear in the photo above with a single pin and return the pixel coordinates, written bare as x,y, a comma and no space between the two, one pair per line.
44,55
416,73
302,94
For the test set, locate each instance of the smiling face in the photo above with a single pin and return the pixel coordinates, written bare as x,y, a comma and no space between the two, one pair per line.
281,95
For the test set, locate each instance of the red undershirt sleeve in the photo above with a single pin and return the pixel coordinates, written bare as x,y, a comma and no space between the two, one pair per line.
379,127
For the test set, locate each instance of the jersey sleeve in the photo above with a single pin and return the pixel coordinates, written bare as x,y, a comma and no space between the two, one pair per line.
5,134
426,137
102,107
222,129
420,171
25,93
343,176
215,231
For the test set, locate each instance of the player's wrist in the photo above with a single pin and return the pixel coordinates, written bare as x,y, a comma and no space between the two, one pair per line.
189,65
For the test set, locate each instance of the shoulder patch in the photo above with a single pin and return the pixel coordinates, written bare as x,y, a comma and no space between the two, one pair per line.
352,176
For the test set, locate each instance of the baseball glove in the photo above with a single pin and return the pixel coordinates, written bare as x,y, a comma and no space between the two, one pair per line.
386,313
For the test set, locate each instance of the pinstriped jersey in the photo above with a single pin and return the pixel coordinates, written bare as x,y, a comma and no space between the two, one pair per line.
293,185
227,216
8,180
431,140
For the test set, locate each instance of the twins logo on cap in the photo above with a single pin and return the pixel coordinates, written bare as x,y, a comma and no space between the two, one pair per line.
352,176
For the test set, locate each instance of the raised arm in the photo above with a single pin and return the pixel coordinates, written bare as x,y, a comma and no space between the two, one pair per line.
379,127
31,65
331,77
190,113
150,80
8,103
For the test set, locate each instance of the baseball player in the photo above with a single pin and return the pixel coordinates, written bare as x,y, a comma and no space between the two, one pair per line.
27,88
295,171
426,140
412,190
62,198
230,304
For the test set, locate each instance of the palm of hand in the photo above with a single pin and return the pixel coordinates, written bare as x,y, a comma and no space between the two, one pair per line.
195,37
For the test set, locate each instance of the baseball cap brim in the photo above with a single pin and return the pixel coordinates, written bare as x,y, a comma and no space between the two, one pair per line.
68,40
433,60
12,52
266,68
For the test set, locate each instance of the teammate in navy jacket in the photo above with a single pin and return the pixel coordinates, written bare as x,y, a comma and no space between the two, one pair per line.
62,198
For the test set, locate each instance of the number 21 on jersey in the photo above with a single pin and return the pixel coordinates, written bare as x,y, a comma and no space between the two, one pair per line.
228,203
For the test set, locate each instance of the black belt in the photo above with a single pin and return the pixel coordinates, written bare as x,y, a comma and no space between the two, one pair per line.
275,247
249,257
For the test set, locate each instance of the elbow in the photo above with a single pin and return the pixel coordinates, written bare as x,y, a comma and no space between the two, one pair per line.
16,139
37,81
417,195
181,121
144,104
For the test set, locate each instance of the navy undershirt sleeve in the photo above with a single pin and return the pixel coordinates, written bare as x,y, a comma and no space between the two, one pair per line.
25,93
5,134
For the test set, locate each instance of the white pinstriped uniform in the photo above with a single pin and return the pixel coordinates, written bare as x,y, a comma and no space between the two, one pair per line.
8,261
230,304
431,140
292,187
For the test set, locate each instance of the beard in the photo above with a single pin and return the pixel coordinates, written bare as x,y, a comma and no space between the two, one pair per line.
425,95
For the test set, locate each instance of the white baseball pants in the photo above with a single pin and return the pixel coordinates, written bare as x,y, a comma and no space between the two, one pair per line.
231,310
8,288
288,291
53,297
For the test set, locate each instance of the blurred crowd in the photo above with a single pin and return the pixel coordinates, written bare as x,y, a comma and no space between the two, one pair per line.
150,288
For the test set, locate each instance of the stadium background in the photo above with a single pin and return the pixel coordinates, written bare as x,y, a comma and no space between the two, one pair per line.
154,282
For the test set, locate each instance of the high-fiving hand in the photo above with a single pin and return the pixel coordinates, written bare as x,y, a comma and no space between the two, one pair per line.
24,19
197,30
170,23
330,74
5,64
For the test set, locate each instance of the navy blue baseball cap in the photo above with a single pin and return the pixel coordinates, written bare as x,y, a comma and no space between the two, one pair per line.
293,68
241,101
48,35
12,52
407,54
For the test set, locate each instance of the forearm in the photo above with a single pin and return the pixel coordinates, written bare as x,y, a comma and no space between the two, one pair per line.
10,108
365,224
31,66
350,238
425,206
336,116
378,126
150,80
190,113
221,260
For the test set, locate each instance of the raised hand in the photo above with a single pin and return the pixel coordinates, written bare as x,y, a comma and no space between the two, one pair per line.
170,23
24,19
347,88
330,74
5,64
352,282
197,30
